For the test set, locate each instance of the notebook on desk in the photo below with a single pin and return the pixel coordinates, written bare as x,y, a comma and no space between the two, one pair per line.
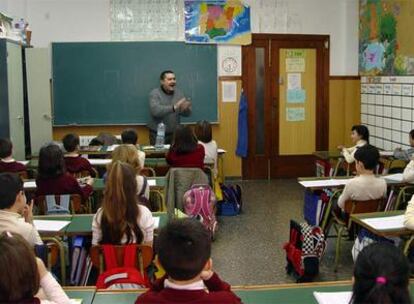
343,297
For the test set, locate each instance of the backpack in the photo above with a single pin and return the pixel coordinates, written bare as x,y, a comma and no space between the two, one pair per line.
304,251
199,202
232,200
121,277
53,208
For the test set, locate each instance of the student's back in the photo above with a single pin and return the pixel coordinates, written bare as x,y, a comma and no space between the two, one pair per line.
184,249
73,161
203,132
7,163
53,178
185,152
121,220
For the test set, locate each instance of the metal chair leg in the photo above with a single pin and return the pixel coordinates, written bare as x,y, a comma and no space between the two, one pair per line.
338,248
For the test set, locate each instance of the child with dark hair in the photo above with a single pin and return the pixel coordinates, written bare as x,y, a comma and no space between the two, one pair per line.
184,250
365,186
52,176
408,174
73,161
7,163
204,134
381,276
130,137
23,275
185,151
15,214
359,137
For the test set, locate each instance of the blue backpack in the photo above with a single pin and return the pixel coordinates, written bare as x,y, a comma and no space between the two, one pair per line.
232,200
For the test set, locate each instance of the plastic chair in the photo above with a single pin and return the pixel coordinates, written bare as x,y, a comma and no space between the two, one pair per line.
144,254
341,225
404,196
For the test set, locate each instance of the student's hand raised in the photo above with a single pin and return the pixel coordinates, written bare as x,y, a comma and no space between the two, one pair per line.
90,180
28,212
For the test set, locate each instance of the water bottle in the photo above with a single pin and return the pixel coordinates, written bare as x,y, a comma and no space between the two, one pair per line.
159,141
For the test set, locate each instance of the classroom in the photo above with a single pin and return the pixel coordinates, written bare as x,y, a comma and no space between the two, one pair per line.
206,151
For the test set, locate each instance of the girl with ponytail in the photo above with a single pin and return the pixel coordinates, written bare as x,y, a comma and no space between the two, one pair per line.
381,275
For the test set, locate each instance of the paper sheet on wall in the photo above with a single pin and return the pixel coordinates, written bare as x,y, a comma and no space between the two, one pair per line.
294,81
146,20
295,114
229,91
229,60
296,96
295,65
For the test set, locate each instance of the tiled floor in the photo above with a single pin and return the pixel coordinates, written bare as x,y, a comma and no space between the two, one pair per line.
248,249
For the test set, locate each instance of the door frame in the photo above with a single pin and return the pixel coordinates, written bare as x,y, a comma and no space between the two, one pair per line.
296,165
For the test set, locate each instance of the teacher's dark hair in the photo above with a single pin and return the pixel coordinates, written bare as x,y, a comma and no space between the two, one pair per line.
162,76
184,140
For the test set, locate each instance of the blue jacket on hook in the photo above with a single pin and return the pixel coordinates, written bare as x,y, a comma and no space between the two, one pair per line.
242,138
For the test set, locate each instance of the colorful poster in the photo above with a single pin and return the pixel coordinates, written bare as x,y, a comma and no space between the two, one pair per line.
296,96
295,114
217,21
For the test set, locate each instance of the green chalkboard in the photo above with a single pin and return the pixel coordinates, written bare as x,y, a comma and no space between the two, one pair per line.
108,83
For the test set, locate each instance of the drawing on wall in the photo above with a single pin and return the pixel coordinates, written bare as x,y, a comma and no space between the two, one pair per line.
217,21
386,47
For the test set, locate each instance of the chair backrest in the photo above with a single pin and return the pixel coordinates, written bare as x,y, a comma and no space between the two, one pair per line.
354,206
148,172
180,180
23,174
144,256
75,203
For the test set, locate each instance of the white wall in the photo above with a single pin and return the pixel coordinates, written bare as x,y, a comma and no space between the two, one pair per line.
88,20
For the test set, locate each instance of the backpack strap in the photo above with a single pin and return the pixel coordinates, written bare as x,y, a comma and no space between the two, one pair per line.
144,186
196,194
110,257
205,200
130,255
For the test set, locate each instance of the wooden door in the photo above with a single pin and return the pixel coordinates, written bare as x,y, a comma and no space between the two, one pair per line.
295,105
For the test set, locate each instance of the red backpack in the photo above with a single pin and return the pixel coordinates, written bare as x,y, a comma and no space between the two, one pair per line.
199,202
127,274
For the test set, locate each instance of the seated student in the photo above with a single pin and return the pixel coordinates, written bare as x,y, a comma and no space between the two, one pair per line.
365,186
130,137
121,220
203,133
15,214
184,250
406,154
185,151
7,163
52,176
360,137
23,277
73,161
127,154
381,275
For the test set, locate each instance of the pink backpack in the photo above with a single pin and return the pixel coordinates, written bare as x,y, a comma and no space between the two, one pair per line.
200,202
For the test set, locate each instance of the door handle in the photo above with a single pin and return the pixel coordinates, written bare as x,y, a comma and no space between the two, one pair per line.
47,116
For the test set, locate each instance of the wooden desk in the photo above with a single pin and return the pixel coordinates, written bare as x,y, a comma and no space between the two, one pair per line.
85,293
117,296
328,155
357,218
81,224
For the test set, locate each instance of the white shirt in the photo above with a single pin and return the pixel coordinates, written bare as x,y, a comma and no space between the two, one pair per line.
52,291
145,223
348,153
210,150
198,285
14,222
362,188
408,174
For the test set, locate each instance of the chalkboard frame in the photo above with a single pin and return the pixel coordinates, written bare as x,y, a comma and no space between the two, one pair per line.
198,80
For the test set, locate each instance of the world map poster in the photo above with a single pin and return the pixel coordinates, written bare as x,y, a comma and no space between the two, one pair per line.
218,21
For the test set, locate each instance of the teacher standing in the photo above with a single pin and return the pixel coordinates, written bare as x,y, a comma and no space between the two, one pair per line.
167,103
